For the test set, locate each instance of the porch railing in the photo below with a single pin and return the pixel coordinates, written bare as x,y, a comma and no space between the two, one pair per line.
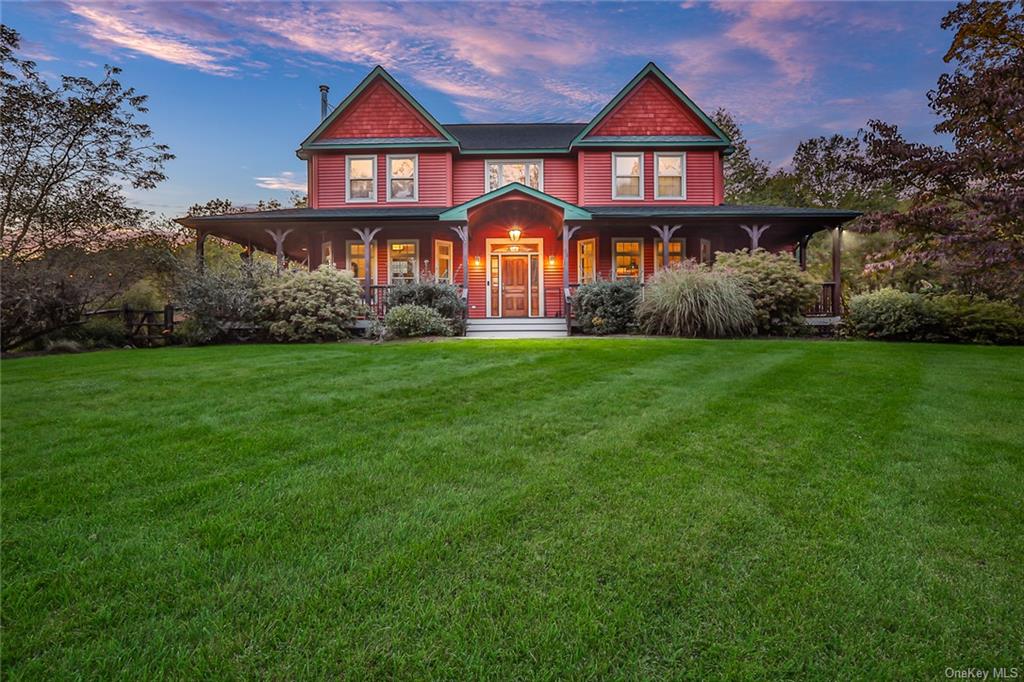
823,306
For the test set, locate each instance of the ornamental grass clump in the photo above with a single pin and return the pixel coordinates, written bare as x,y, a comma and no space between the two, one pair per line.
312,306
696,302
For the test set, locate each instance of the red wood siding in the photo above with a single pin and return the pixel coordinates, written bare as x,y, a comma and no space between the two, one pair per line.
434,185
700,180
560,178
650,109
379,111
467,180
478,273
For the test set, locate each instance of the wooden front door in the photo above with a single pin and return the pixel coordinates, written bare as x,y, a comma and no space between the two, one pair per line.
515,286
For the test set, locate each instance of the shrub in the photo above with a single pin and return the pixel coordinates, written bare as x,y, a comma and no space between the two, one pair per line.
102,332
901,316
221,303
143,295
778,288
974,320
444,298
63,346
696,302
606,307
408,320
312,306
889,314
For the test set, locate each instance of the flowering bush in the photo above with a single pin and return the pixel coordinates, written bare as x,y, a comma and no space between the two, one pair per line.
312,306
220,302
606,307
444,298
410,320
778,288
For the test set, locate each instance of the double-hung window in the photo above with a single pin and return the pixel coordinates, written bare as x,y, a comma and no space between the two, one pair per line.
676,253
628,259
355,259
403,261
628,176
402,177
443,251
670,182
586,260
360,178
705,250
507,171
327,253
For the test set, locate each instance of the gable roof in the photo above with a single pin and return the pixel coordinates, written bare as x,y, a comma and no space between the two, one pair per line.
569,211
378,72
490,137
653,71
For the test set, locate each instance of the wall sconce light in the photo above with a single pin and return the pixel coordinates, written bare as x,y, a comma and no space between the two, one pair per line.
515,233
476,261
551,261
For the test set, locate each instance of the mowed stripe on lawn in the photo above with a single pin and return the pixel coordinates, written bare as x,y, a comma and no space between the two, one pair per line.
620,507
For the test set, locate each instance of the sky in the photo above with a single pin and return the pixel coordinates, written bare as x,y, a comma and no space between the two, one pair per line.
233,87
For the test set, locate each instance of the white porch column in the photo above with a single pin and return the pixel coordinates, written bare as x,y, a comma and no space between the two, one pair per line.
367,235
666,232
279,236
755,232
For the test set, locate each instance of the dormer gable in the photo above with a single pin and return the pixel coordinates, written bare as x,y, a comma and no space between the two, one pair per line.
381,110
652,106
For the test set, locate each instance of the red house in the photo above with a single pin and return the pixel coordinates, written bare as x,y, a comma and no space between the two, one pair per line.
518,214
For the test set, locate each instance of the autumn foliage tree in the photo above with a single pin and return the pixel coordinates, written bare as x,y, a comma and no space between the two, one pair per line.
966,204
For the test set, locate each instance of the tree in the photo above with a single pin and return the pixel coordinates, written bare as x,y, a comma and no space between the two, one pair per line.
825,174
65,157
745,175
68,238
966,204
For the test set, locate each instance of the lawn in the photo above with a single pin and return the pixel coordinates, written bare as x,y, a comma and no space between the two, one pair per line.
625,508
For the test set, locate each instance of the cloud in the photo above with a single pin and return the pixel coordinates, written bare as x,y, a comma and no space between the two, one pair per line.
286,181
116,27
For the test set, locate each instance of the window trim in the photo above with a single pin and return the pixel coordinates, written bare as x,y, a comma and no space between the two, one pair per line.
415,270
615,176
579,259
658,249
415,177
657,176
487,175
348,179
617,240
451,260
373,259
710,253
327,252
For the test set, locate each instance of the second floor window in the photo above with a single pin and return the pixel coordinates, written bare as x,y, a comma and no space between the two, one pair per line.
361,175
529,173
628,180
402,177
671,180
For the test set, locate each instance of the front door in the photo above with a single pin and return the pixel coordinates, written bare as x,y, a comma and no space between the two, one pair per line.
515,286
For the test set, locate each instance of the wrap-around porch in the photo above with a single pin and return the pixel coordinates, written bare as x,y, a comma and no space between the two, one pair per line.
522,255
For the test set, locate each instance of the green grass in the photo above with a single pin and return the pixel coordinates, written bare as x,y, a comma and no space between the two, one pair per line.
625,508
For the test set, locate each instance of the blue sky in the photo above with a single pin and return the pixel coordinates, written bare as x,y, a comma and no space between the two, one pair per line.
233,86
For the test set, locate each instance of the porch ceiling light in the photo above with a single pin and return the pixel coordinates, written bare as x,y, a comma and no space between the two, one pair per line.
515,233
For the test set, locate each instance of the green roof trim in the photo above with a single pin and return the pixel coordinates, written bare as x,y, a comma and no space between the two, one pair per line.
377,72
461,212
652,70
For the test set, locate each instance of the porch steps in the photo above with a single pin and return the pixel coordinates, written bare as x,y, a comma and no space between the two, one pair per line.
516,328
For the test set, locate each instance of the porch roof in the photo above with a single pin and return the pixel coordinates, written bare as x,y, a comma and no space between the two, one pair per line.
570,211
748,211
